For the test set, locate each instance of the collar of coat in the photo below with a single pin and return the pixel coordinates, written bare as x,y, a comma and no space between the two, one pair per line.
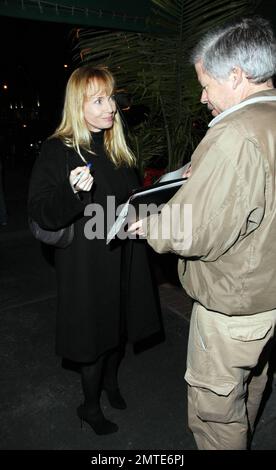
256,99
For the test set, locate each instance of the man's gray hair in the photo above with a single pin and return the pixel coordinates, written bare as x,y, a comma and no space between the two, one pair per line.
248,43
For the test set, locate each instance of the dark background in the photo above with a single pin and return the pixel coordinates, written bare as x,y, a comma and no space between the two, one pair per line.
33,55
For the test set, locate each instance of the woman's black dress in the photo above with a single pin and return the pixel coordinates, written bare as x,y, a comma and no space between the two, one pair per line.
104,291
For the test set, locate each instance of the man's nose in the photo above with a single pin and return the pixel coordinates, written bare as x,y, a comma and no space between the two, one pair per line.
204,97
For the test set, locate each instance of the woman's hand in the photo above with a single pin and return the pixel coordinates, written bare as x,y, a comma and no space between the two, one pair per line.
81,179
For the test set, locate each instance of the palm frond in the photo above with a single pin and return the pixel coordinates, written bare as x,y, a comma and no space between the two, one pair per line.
155,69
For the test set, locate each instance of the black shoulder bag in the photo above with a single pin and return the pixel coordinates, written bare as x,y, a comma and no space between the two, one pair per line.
60,238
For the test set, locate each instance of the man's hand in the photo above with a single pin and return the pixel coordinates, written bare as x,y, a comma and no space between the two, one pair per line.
188,172
137,228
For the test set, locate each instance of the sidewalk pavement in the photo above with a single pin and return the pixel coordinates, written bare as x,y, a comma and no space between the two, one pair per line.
38,397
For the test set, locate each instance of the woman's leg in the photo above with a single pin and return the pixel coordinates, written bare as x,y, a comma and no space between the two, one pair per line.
90,411
110,378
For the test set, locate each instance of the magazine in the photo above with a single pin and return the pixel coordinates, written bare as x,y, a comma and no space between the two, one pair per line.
159,193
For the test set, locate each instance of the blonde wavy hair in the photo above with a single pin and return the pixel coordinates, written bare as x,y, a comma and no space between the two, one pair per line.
73,129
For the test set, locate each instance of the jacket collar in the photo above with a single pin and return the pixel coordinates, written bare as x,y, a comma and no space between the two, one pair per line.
260,97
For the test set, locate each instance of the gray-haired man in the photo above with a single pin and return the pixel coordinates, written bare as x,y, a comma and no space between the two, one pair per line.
228,265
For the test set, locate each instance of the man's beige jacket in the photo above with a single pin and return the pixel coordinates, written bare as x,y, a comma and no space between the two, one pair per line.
229,263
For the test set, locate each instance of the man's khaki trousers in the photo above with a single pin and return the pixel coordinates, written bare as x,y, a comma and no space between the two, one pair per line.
227,373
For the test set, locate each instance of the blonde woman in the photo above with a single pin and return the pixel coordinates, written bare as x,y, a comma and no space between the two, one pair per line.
105,292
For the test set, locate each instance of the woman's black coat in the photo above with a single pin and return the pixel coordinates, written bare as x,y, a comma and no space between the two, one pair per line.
104,291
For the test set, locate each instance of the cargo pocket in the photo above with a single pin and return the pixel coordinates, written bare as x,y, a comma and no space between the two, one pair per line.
249,332
249,340
214,398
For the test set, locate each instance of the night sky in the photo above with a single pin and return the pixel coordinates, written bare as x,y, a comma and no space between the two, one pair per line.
33,54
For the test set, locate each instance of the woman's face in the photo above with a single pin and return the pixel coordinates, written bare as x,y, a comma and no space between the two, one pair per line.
99,110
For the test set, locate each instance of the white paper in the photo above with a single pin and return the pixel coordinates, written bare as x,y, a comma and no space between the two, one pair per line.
118,222
172,175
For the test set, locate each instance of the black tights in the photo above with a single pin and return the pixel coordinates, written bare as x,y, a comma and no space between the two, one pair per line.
111,365
98,375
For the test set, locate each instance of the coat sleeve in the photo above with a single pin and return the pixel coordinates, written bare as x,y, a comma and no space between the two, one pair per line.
52,203
222,202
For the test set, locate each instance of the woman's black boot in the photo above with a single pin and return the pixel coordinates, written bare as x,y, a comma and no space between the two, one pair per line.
115,399
110,381
96,420
90,411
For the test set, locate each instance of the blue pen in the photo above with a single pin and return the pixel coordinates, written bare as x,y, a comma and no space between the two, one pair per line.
80,174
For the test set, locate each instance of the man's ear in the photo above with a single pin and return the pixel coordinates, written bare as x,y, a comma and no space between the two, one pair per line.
236,77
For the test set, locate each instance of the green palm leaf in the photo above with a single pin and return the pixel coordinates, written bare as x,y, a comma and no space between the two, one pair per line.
155,69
